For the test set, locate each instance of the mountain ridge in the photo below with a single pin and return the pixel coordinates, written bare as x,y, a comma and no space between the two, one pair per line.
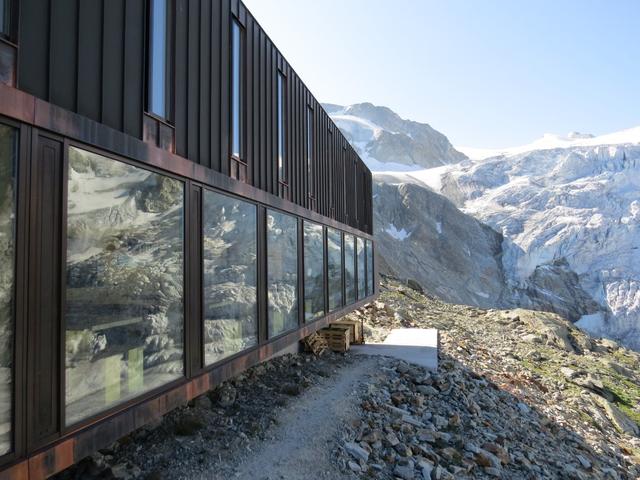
567,209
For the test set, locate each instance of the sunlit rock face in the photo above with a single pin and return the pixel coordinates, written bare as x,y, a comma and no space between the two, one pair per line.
387,142
124,289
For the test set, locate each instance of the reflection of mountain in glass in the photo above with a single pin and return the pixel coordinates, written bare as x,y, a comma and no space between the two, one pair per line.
124,296
362,284
350,269
8,139
334,255
313,271
282,272
370,271
229,236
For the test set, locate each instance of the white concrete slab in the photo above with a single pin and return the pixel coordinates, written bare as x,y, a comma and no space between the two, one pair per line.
413,345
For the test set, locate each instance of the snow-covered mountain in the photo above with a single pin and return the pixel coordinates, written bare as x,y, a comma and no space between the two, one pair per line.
567,209
387,142
578,204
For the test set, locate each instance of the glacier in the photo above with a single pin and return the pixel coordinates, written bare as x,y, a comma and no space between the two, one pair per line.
566,209
579,204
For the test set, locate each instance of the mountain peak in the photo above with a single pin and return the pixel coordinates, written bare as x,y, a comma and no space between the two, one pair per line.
385,141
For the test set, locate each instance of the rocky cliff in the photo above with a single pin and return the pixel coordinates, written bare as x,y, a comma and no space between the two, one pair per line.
423,236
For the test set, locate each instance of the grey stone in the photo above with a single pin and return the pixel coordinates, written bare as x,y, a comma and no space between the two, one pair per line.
404,472
356,451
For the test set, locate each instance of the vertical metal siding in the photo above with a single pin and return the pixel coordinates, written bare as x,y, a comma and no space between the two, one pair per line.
90,52
88,57
134,71
63,52
113,63
204,98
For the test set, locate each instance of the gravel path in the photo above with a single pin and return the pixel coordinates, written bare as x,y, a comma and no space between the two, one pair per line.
300,447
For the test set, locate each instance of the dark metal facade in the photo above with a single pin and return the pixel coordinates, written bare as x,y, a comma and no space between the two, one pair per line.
89,57
79,79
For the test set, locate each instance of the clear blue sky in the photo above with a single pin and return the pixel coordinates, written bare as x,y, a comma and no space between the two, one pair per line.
487,73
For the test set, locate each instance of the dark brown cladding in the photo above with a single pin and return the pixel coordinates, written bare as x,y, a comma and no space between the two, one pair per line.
89,57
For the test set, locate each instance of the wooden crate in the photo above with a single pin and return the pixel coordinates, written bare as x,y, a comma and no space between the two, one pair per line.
337,337
315,344
357,335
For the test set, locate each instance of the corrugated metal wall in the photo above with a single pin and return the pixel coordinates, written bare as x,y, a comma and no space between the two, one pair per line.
88,56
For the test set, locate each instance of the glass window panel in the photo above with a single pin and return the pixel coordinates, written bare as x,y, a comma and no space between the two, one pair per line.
124,294
5,18
282,272
334,257
362,281
313,271
282,174
370,272
230,276
158,58
310,149
8,158
349,269
236,88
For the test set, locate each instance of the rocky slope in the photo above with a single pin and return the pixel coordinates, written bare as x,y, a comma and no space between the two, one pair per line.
520,395
423,236
387,142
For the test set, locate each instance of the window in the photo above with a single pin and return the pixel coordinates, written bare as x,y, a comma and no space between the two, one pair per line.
313,271
282,272
310,151
8,158
230,276
334,256
159,91
282,166
362,281
370,273
237,59
5,18
124,283
349,269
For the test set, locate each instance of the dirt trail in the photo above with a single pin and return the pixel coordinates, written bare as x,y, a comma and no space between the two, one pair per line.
301,444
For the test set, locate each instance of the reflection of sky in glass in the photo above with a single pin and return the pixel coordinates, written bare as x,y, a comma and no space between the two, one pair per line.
158,57
281,170
235,89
